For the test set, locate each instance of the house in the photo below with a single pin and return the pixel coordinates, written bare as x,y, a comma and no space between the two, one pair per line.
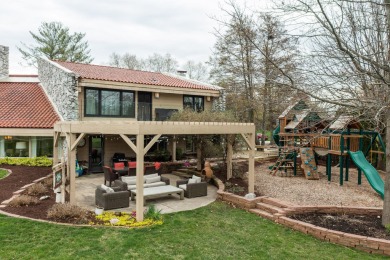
26,114
85,92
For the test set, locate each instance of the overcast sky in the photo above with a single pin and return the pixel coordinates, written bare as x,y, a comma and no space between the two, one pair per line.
182,28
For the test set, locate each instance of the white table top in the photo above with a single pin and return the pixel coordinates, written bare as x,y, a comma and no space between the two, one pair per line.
158,190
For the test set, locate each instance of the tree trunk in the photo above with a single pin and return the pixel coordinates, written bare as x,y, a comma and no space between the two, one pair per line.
386,202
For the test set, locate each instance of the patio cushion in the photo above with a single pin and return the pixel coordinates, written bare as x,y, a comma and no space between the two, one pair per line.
132,164
191,181
107,189
119,165
151,175
152,179
198,179
129,180
183,186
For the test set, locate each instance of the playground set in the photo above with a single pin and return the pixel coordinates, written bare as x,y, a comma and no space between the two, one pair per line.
303,135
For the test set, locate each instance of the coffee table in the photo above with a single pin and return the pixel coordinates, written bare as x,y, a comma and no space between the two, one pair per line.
159,191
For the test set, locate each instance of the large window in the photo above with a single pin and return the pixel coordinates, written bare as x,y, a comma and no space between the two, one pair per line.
194,102
109,103
26,146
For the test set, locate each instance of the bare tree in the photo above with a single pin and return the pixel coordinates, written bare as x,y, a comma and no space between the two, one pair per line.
196,70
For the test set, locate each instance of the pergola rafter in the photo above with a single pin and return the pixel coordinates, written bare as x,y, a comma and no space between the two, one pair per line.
70,129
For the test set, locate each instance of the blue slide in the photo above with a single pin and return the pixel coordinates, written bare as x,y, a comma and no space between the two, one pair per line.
370,172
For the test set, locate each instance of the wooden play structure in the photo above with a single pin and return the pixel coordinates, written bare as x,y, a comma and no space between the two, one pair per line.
302,135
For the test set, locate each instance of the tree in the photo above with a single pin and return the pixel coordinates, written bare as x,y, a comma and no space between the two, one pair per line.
160,63
197,71
127,61
246,60
55,42
347,61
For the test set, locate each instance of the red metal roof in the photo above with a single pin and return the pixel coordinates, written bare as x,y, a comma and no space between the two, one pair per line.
25,105
88,71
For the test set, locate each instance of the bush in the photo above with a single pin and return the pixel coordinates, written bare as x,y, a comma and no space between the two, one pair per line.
152,213
38,189
66,212
23,200
36,161
48,182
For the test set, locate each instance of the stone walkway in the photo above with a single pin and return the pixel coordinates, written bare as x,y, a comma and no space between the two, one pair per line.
85,196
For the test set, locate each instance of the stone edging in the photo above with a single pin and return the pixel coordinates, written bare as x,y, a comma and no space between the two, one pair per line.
367,244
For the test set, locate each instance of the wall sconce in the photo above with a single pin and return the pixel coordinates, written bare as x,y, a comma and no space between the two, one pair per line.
157,95
8,137
208,98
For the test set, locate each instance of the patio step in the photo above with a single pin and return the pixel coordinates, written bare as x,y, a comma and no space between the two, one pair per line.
269,208
262,213
276,202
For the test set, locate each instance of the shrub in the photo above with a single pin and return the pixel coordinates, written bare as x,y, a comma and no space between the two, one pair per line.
152,213
67,212
36,161
38,189
48,182
23,200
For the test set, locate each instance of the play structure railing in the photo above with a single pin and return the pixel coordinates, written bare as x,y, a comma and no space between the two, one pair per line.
333,142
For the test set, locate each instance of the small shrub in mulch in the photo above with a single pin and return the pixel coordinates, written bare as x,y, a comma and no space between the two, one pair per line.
68,213
23,200
38,189
48,183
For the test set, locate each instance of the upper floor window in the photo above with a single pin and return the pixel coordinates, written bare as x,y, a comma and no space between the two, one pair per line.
194,102
109,103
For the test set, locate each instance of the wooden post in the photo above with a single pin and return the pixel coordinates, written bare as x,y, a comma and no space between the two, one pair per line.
198,154
341,158
347,157
72,170
63,172
174,149
251,161
229,157
360,149
140,178
329,160
55,148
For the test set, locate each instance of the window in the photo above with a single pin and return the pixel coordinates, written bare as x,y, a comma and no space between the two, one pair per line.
194,102
17,146
109,103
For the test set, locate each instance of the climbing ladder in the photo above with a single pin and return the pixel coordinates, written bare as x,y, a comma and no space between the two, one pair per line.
284,162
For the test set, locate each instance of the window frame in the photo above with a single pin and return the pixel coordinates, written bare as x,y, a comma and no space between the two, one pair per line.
193,102
99,114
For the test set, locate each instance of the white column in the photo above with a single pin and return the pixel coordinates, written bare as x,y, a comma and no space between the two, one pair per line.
2,147
140,178
33,147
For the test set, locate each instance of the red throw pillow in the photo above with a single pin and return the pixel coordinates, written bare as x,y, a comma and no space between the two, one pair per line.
157,165
119,165
132,164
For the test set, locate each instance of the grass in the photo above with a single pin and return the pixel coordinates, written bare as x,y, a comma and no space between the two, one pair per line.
3,173
216,231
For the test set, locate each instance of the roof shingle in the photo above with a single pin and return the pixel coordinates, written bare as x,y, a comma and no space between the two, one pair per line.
25,105
97,72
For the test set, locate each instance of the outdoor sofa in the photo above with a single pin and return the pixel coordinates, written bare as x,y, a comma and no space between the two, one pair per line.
151,180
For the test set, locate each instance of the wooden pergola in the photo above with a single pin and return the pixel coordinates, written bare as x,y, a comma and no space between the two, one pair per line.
74,131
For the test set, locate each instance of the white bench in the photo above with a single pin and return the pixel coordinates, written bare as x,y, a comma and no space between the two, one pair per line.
159,191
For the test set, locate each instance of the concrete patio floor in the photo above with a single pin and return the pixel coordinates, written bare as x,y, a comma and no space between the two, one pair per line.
85,196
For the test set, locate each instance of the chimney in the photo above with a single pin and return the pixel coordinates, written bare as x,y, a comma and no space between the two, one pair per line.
4,56
182,73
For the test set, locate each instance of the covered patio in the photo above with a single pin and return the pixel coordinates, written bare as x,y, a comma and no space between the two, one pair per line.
70,133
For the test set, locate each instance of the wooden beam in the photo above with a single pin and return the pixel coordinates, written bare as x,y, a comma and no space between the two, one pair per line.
57,136
72,171
139,206
129,143
251,162
74,145
248,140
229,157
151,143
174,148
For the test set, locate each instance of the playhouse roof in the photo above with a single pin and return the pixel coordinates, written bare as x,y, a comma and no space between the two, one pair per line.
297,106
343,122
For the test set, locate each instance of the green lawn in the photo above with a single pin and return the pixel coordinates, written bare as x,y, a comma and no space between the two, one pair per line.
3,173
213,232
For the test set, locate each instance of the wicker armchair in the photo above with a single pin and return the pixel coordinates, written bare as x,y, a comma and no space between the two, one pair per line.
193,190
114,200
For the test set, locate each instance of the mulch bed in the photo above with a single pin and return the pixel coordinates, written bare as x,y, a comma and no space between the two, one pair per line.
20,176
363,225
